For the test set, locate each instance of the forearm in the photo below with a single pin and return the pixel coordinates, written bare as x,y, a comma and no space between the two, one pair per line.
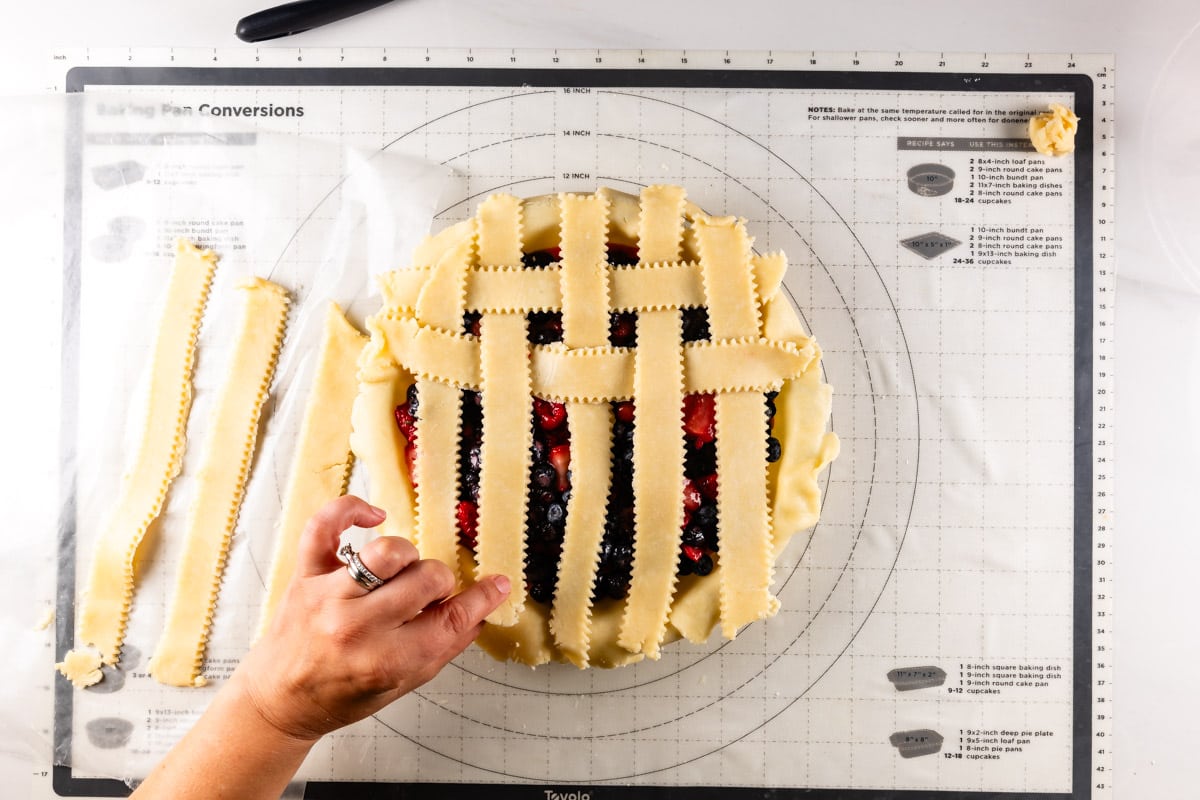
231,752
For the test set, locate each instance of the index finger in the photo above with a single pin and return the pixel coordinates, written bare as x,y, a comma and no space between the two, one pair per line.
319,542
444,630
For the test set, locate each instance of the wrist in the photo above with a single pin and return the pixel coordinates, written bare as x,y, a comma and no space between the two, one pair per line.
256,710
233,751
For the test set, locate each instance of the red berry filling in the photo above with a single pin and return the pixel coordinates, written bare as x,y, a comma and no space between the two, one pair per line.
547,414
700,418
467,514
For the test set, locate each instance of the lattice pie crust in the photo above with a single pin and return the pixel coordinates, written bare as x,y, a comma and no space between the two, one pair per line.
685,259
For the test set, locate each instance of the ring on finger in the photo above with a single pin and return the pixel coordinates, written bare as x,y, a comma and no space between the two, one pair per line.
358,570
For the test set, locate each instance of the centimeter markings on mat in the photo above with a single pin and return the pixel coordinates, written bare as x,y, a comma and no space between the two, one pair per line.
500,58
1103,429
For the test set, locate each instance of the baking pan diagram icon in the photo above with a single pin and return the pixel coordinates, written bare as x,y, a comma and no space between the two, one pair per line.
911,744
930,180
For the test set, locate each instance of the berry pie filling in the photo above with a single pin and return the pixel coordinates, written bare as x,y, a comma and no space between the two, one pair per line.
549,484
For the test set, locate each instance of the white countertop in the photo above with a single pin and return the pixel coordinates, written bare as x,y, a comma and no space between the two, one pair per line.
1157,709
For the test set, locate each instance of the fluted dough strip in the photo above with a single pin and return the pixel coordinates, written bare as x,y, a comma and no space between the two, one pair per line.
660,224
498,235
747,559
585,324
220,485
159,456
728,284
504,458
647,287
321,464
584,270
591,468
376,440
658,458
438,422
598,374
442,299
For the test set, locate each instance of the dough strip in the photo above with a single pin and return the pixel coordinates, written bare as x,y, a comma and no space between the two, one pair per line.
106,601
220,485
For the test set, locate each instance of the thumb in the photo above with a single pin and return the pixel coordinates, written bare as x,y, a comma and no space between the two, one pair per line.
319,542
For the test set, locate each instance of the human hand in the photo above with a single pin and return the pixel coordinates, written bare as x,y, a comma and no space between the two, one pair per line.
335,654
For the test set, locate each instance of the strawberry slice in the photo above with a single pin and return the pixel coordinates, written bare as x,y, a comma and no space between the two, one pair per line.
708,486
549,415
467,514
406,422
560,458
700,417
625,411
693,553
692,498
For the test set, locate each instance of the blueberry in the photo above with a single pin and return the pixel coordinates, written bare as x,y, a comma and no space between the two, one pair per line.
614,586
693,536
622,329
544,497
538,450
622,472
622,433
412,399
555,513
470,488
685,566
704,565
771,410
712,541
607,545
475,458
545,327
701,461
705,517
695,324
542,475
624,521
615,555
774,449
542,592
543,532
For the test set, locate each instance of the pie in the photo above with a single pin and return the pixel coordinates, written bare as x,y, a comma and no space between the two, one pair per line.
606,398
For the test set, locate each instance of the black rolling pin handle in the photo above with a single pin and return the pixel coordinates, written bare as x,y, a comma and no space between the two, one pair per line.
298,17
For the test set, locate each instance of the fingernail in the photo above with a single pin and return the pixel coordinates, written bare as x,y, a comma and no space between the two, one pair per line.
503,583
379,512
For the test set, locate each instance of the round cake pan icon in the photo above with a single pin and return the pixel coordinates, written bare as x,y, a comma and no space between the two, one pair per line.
931,180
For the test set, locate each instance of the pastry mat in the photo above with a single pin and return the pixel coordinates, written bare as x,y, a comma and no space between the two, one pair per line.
942,629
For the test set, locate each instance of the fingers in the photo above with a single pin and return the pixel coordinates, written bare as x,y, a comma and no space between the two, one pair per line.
387,557
443,631
419,586
319,542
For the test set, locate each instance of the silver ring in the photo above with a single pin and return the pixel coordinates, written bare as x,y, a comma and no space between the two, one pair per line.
358,570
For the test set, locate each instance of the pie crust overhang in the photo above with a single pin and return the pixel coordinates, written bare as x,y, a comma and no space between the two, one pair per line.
757,345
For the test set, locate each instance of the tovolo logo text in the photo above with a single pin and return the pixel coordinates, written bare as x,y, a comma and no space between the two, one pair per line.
553,795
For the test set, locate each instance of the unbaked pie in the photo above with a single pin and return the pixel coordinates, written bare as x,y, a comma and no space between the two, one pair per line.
606,398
